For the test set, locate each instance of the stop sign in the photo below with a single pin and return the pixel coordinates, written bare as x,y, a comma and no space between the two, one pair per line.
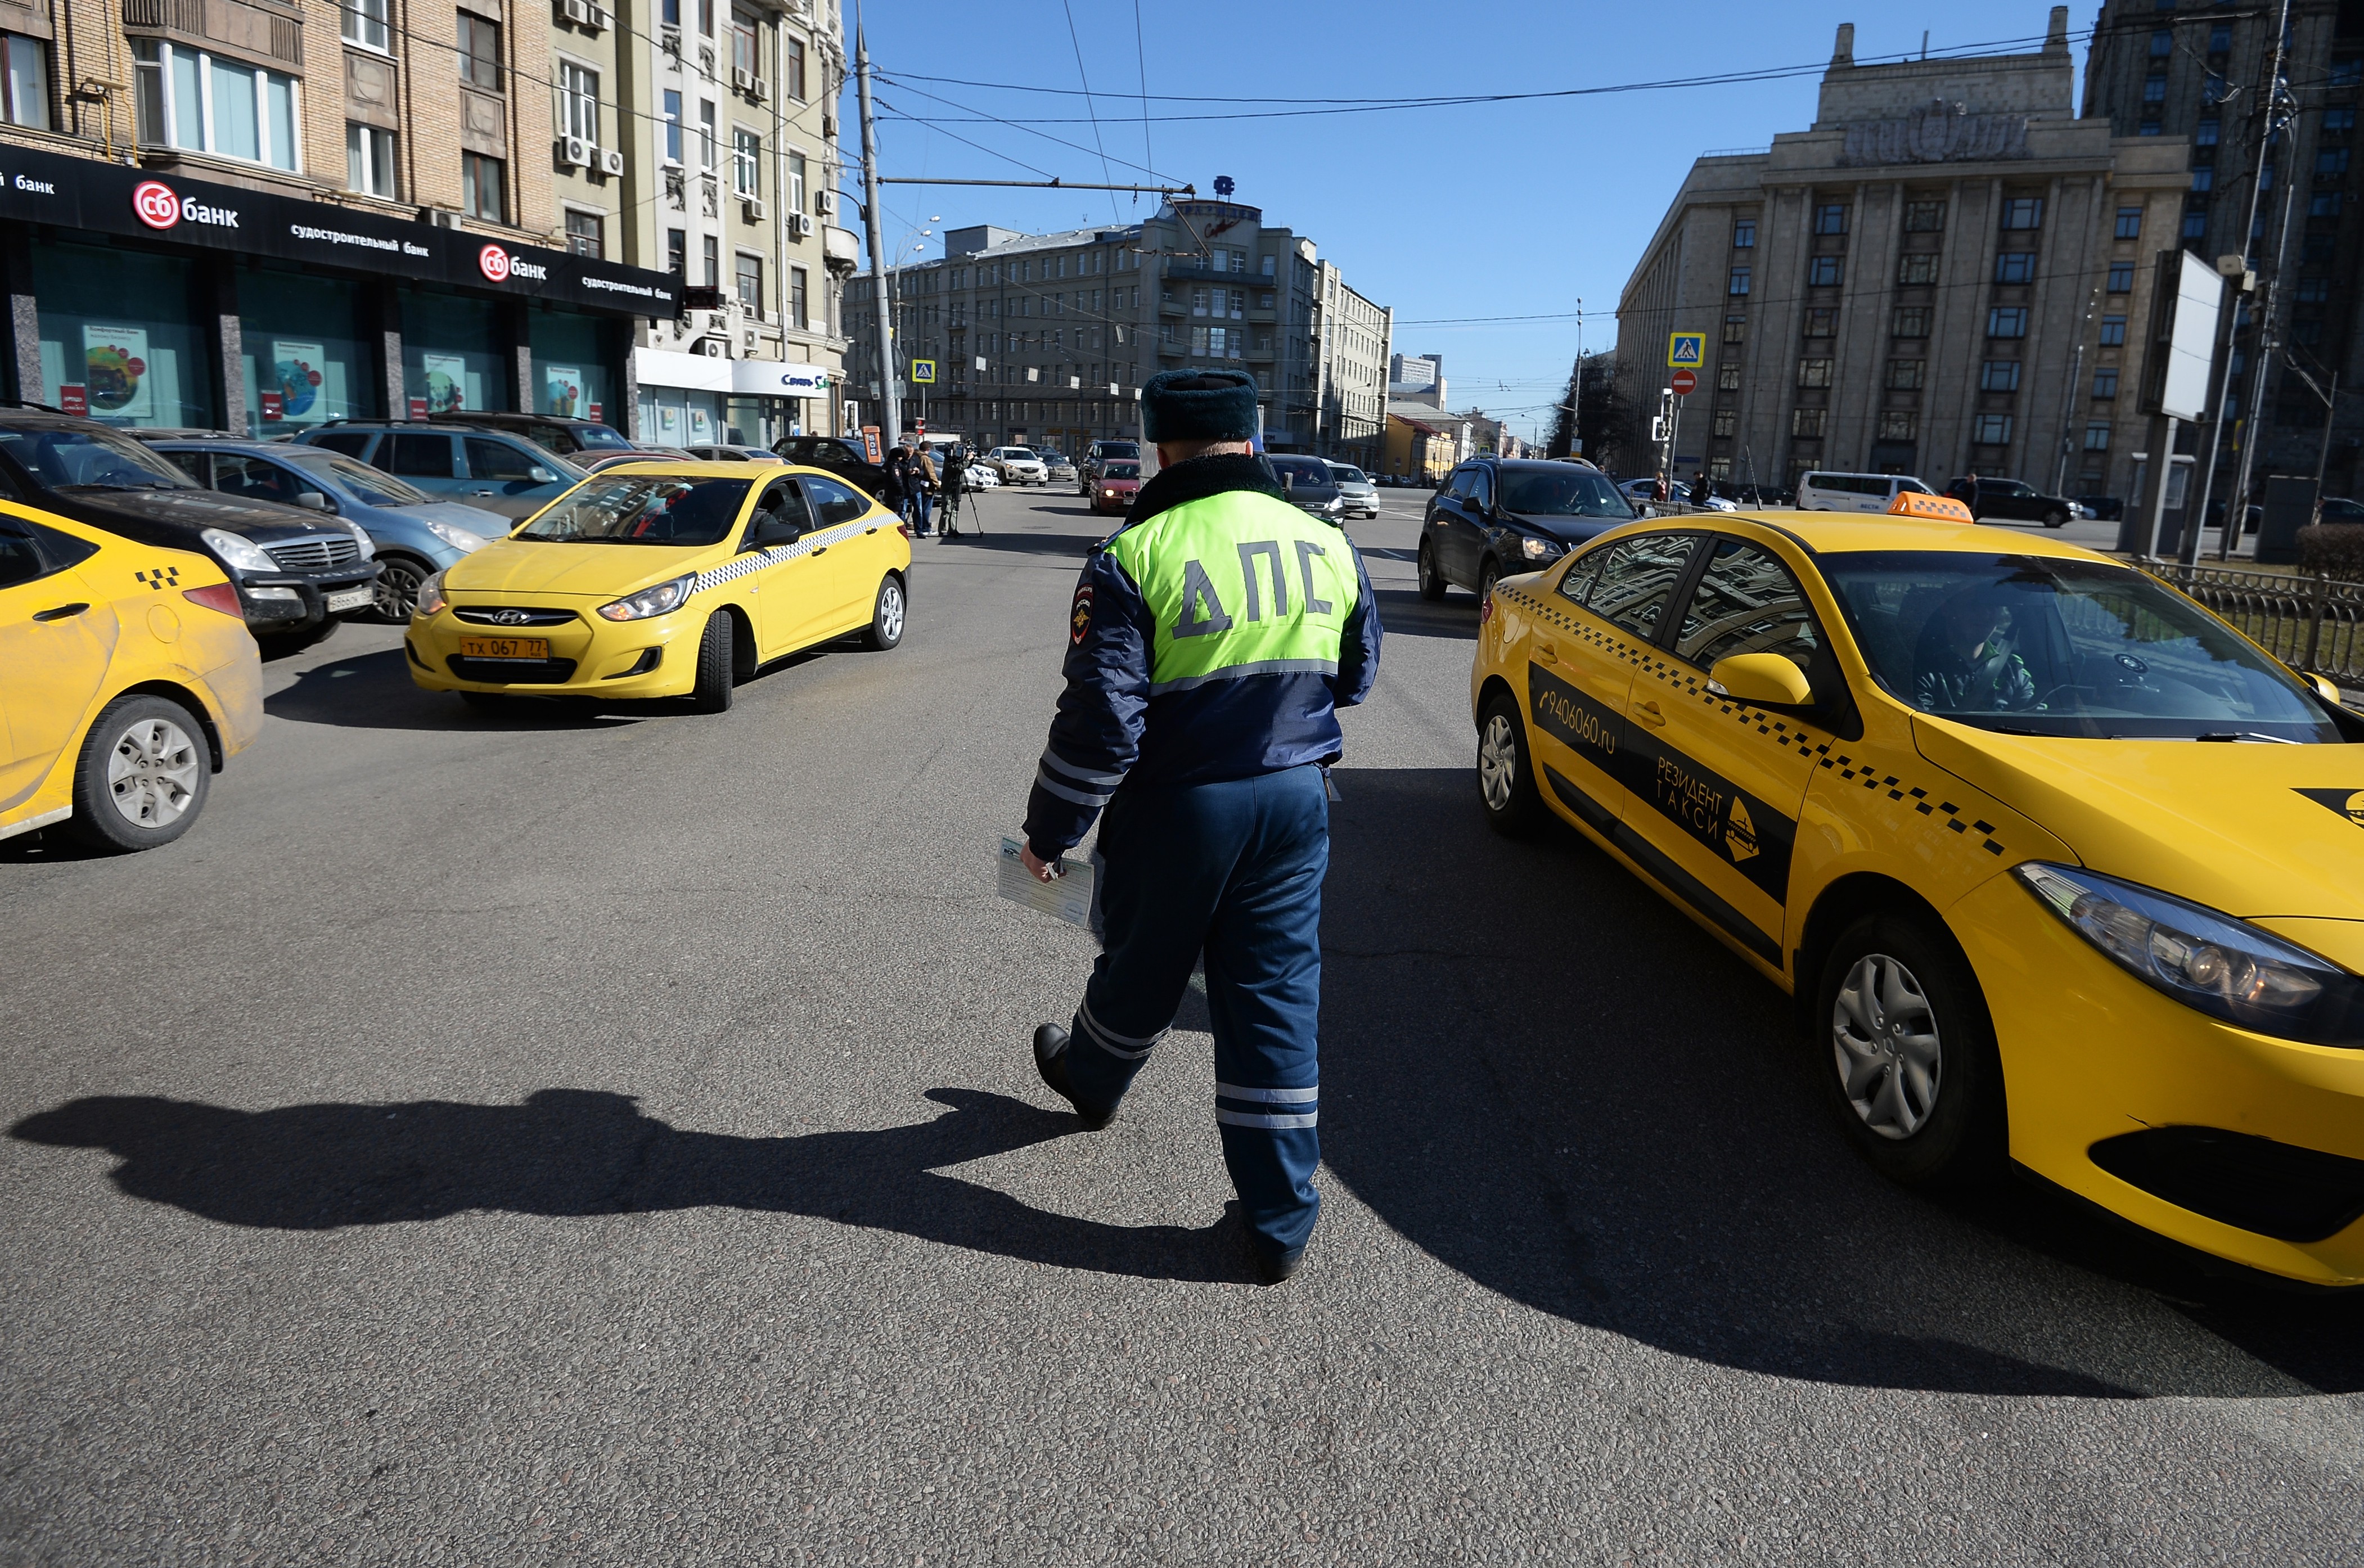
1685,383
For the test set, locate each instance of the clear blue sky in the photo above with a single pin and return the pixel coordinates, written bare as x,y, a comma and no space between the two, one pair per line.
1507,209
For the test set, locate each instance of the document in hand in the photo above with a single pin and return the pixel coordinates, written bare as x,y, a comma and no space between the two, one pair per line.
1069,898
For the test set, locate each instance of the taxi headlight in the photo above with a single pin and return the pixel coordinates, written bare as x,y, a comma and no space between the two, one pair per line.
2211,961
1537,549
432,601
661,600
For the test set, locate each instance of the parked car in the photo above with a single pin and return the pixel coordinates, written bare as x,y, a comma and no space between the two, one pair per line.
2016,501
1308,483
1056,469
561,435
130,681
835,454
416,536
975,475
590,462
477,467
1355,489
734,454
1643,489
1017,465
2109,508
1100,452
1119,483
298,573
1498,517
2339,509
1821,492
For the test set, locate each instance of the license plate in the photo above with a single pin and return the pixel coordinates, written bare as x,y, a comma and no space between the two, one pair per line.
351,599
504,647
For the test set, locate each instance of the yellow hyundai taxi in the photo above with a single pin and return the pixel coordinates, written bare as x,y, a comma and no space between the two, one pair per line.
2055,862
127,679
663,579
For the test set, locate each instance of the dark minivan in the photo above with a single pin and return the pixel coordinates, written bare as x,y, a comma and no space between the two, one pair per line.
1308,483
1499,516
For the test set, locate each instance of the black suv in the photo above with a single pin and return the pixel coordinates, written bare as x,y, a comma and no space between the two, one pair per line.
559,434
835,454
1499,516
298,573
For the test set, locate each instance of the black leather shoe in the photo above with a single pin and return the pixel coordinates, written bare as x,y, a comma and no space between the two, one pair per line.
1275,1267
1051,1060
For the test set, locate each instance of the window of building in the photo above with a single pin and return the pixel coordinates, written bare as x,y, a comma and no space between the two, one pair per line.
585,233
2007,321
1909,321
744,50
800,299
2331,163
2105,383
2338,122
1813,372
369,161
2155,90
484,187
751,284
1727,420
1899,425
711,255
672,149
708,143
1906,375
706,18
792,68
2313,291
1744,234
1991,429
363,22
746,163
2324,204
2022,212
1915,268
797,183
202,102
2149,126
670,12
2195,224
2122,277
2015,266
578,102
2097,436
1736,329
1925,217
2204,179
1830,217
2129,223
1999,375
2162,43
1824,272
2348,71
25,81
677,252
1821,321
2113,331
1727,376
1807,423
2220,38
2206,132
1739,284
480,52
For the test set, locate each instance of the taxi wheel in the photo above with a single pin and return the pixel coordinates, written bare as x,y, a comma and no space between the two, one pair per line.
1506,773
1903,1042
715,673
1431,581
142,776
885,616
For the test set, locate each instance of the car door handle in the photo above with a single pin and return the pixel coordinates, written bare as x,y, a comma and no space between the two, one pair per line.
1647,712
60,613
1548,651
870,530
479,492
822,550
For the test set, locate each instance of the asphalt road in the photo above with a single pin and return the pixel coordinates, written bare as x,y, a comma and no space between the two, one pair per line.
610,1138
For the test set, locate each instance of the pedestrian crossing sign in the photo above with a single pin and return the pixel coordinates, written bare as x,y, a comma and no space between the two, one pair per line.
923,372
1686,351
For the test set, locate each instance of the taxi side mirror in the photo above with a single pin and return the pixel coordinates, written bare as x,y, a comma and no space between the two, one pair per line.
771,530
1761,680
2324,687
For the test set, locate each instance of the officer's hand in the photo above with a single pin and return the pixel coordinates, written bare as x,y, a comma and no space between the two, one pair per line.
1042,871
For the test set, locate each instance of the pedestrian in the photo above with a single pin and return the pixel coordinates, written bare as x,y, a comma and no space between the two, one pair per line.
923,485
1966,490
1699,489
895,486
1210,641
955,475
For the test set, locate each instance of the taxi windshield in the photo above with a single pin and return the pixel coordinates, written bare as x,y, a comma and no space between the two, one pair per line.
1571,492
2041,645
642,508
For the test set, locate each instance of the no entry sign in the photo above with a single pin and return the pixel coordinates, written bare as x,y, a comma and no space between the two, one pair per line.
1684,383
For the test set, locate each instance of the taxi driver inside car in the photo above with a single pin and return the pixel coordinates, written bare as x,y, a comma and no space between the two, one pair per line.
1870,814
592,594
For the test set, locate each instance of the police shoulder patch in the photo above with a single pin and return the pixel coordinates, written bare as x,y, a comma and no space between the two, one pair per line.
1079,615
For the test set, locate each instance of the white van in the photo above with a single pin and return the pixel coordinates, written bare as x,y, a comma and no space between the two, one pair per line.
1855,492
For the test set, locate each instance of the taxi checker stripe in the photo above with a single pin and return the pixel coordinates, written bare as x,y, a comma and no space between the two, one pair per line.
772,555
1267,1096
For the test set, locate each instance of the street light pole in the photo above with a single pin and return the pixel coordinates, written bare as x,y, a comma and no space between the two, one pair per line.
889,415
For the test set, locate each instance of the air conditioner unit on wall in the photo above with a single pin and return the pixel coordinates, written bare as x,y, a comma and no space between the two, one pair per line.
825,203
575,150
800,225
611,162
575,11
601,20
712,347
758,89
754,209
740,79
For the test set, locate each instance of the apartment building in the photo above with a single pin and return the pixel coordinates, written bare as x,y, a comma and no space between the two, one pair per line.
1947,272
1046,337
2195,72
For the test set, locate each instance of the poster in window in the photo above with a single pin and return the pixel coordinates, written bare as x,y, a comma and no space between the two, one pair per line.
447,379
295,373
668,422
701,426
115,361
561,391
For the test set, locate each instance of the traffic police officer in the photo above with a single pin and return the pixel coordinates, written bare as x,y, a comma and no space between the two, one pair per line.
1210,641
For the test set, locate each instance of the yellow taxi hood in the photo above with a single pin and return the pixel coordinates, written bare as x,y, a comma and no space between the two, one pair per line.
2246,827
599,571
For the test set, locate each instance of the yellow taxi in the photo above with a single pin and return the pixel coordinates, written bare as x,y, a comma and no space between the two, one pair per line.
2056,863
127,679
665,579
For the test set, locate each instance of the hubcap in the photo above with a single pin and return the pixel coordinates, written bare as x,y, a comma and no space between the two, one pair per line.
151,774
398,590
1884,1040
1498,762
890,612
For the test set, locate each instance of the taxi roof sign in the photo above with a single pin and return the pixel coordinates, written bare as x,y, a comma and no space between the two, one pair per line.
1917,504
1686,351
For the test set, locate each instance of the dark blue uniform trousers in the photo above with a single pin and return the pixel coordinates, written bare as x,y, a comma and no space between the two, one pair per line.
1233,869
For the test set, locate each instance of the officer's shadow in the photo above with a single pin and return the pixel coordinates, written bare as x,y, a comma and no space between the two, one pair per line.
580,1151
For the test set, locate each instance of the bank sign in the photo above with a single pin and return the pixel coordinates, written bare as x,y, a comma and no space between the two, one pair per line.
106,198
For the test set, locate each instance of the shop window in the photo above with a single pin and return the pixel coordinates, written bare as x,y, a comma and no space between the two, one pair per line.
792,69
202,102
1899,425
25,81
1999,375
1909,321
369,161
1907,375
800,299
363,22
1915,268
751,284
570,354
1924,217
1991,429
2105,383
480,52
585,233
304,363
1824,272
2129,223
2023,213
484,187
121,325
2015,266
2113,331
797,181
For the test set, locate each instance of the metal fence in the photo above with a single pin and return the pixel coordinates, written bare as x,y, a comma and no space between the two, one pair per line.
2311,623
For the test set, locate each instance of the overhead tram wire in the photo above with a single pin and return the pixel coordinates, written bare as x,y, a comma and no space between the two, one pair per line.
1068,5
997,120
1141,59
